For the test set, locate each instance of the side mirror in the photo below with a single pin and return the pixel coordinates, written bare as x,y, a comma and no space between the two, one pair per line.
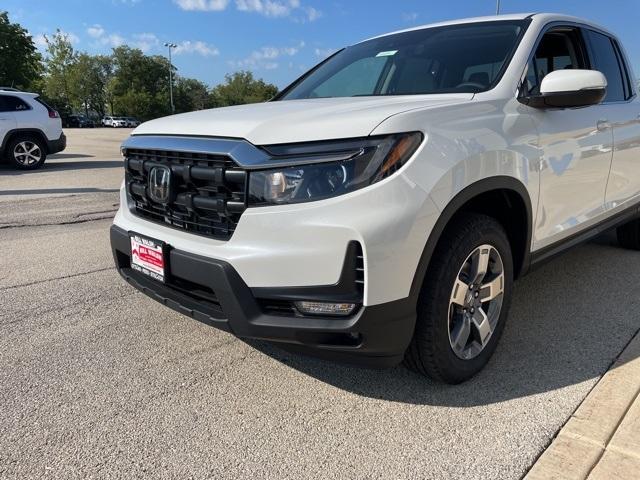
569,89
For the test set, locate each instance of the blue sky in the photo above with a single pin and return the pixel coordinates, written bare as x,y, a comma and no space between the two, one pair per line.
276,39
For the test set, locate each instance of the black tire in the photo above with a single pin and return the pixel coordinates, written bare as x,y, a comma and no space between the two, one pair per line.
430,352
20,161
629,235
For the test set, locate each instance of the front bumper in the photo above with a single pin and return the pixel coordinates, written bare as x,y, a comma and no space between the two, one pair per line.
57,145
212,291
304,244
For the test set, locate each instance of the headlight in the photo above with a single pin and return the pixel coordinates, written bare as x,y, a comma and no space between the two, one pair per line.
328,169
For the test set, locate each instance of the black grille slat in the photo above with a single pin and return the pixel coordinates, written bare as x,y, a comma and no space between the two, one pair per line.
360,269
210,191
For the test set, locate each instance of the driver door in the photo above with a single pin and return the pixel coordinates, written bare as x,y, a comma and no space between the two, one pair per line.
576,145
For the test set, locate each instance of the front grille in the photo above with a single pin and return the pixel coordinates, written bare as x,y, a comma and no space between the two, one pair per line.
209,191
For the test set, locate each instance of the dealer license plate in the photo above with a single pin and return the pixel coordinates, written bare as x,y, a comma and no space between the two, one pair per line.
148,257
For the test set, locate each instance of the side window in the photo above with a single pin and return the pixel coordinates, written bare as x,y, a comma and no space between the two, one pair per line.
14,104
606,61
3,106
559,49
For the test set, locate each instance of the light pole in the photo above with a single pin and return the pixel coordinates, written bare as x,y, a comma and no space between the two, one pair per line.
497,7
170,46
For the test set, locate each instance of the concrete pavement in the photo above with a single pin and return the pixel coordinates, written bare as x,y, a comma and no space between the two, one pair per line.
601,440
98,381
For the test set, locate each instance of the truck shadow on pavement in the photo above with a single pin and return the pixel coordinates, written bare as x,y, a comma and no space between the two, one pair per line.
61,156
83,165
569,320
54,164
55,191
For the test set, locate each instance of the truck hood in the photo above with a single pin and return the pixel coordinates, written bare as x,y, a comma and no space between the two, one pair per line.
295,120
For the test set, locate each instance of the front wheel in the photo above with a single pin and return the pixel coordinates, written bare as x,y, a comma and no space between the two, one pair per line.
464,302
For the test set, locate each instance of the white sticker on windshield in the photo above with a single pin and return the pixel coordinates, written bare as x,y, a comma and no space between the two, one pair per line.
389,53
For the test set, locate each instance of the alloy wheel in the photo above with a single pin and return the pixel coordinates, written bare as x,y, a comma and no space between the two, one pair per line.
476,302
27,153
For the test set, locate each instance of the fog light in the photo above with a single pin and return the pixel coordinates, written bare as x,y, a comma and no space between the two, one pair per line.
325,308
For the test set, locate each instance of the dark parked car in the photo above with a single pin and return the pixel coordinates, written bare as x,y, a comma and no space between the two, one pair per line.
77,121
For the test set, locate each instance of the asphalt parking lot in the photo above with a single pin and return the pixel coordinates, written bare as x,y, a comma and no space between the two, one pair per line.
98,381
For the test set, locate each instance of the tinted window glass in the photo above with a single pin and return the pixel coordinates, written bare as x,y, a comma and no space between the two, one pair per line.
455,58
558,50
358,78
43,103
14,104
606,62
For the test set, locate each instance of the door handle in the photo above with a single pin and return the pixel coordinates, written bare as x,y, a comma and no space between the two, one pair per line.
603,125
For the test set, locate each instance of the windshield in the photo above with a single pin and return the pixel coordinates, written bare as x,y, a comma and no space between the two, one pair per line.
466,58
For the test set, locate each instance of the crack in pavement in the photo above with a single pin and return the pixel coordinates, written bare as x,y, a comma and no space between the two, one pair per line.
73,275
110,213
73,308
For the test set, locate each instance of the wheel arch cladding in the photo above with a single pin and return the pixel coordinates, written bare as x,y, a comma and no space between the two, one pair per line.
26,132
504,198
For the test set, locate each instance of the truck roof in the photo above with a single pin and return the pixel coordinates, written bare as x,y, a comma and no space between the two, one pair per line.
540,17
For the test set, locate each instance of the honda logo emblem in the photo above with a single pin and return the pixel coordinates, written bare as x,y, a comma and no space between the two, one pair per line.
160,190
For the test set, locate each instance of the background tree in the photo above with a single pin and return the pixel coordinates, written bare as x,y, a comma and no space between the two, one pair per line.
241,87
60,86
103,95
190,94
20,62
88,76
140,84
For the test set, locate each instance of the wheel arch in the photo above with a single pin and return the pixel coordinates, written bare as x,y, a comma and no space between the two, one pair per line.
11,134
499,197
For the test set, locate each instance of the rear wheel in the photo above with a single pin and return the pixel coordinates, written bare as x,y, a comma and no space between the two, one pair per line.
629,235
464,302
26,152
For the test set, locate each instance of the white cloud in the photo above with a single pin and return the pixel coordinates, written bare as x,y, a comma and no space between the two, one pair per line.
40,40
265,58
324,52
145,41
72,37
197,47
202,5
148,41
410,16
101,36
95,31
113,40
268,8
313,14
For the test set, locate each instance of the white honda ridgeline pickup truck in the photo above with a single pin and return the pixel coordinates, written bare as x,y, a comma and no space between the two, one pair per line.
381,206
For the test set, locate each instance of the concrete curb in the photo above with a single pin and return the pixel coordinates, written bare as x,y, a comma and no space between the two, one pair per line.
601,440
